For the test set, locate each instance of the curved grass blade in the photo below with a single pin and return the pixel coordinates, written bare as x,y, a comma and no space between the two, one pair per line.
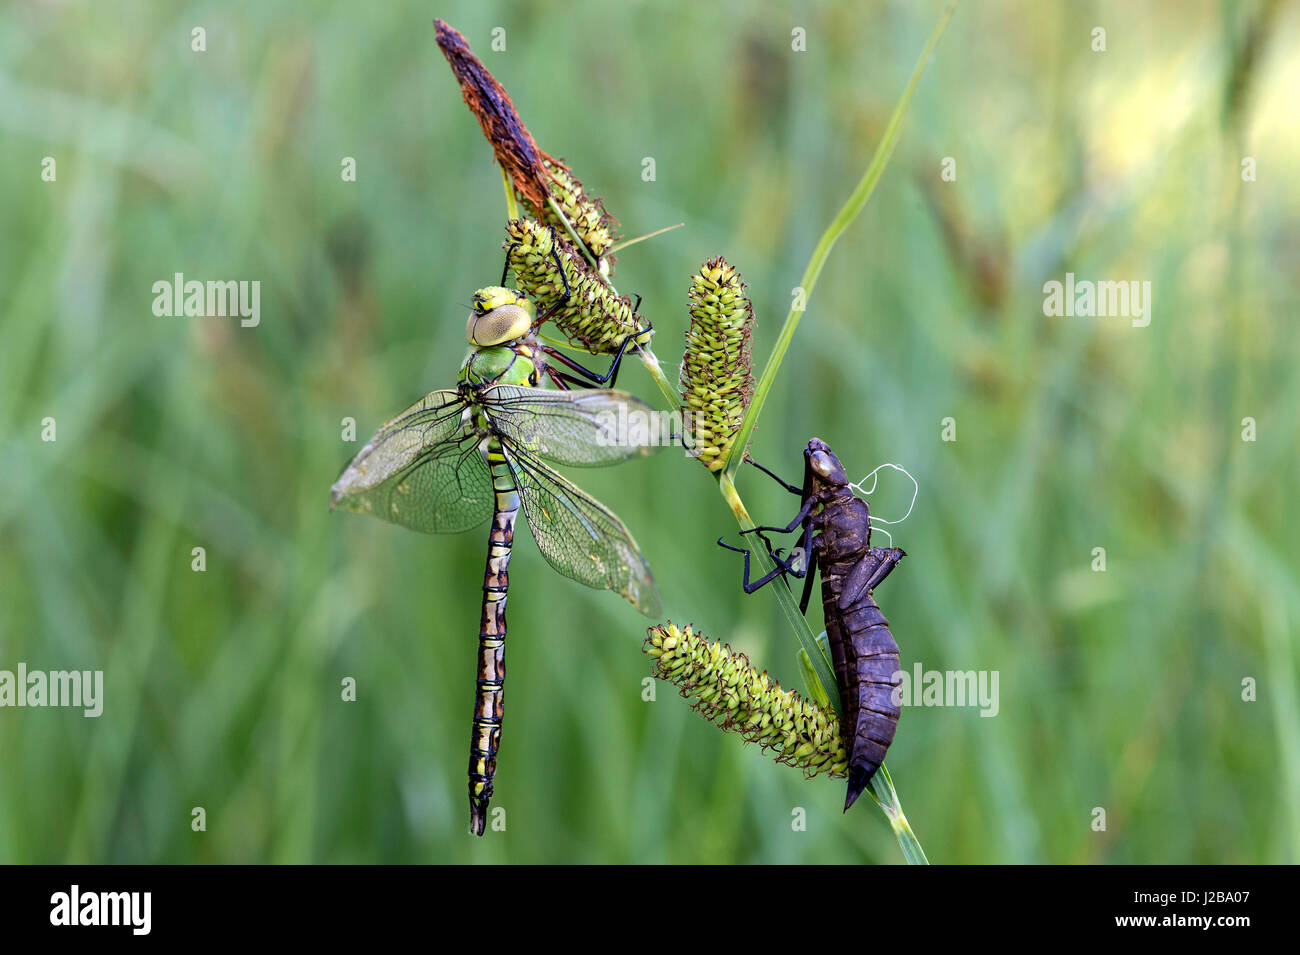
881,789
843,219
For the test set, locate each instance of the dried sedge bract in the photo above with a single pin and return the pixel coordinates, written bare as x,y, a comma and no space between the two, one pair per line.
487,99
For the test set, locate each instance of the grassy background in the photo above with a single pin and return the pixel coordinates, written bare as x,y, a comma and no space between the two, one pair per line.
1119,689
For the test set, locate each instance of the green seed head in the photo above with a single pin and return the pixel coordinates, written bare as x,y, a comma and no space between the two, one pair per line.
584,210
594,318
730,693
717,379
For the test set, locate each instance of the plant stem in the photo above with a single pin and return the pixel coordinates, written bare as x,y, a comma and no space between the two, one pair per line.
512,208
882,791
798,622
856,201
651,362
577,241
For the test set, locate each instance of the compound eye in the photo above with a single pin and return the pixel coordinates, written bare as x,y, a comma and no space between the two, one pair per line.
821,463
504,323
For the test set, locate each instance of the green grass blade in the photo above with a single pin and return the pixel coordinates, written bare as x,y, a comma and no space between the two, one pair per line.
882,791
512,207
856,201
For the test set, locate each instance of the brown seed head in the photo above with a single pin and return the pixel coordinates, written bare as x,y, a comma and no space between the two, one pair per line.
487,99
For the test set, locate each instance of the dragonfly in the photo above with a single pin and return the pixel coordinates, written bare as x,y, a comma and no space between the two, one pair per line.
482,450
836,533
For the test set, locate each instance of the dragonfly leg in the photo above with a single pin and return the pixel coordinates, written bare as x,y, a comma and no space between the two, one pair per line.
798,519
636,307
776,477
596,379
505,269
806,546
781,568
805,561
559,303
806,554
562,381
807,585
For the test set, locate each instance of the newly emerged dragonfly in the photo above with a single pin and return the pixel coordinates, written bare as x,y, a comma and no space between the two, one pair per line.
458,457
836,533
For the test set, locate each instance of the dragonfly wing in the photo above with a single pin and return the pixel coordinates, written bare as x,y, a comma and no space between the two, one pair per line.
579,536
583,428
422,470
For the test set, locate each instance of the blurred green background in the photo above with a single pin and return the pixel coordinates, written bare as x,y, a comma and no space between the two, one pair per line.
1119,690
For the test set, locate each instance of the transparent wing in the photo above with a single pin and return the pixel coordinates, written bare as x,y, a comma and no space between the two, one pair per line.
579,536
422,470
583,428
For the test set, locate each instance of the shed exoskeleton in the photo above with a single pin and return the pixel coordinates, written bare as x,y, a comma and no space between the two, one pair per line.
836,535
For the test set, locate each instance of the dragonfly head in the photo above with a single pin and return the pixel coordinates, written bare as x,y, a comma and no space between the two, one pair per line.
823,463
499,315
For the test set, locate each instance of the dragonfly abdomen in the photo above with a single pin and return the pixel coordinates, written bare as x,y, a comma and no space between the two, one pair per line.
865,656
485,734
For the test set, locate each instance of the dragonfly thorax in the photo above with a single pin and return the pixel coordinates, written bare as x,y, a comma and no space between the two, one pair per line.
517,363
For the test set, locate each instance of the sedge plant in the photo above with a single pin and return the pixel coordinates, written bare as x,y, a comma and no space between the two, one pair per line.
719,400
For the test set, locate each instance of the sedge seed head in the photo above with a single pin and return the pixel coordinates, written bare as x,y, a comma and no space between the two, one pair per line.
728,692
585,211
594,318
717,374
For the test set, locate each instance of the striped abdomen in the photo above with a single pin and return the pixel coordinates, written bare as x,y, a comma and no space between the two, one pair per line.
485,735
865,657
